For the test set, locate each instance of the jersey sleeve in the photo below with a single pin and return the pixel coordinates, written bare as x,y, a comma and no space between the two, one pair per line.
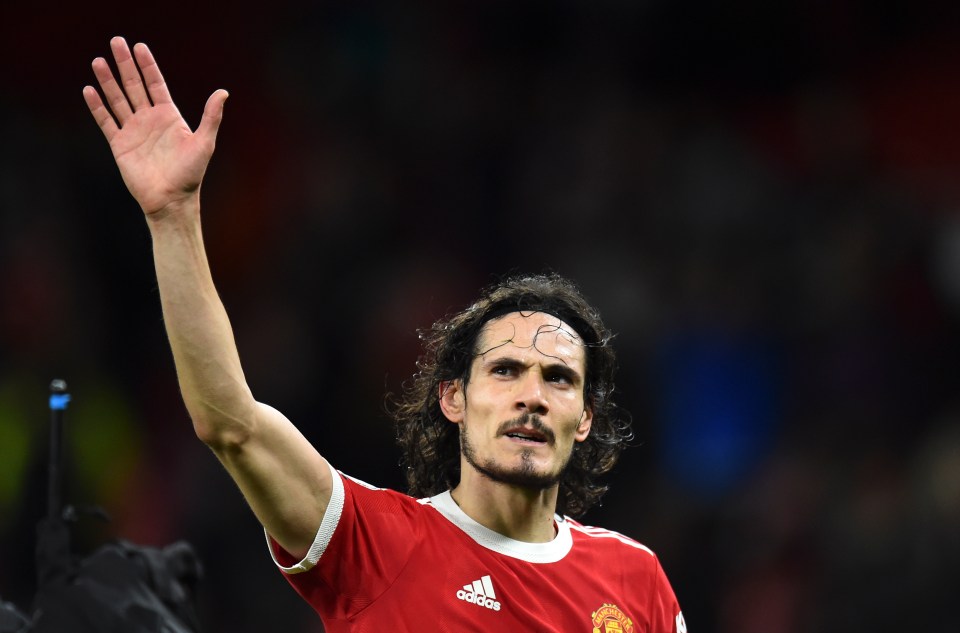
364,541
665,614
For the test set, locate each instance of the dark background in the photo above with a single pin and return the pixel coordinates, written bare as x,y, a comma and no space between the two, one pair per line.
761,198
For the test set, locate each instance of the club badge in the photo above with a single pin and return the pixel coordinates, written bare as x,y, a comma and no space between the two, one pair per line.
610,619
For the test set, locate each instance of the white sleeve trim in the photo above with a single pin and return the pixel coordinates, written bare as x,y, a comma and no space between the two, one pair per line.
327,526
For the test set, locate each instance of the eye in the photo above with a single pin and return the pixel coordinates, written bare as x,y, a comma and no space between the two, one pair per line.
504,370
560,379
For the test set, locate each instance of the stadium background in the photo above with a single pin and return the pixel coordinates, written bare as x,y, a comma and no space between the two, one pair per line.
761,198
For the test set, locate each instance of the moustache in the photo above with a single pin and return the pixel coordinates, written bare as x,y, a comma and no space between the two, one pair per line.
529,421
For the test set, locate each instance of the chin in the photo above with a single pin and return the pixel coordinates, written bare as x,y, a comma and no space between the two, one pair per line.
517,469
523,475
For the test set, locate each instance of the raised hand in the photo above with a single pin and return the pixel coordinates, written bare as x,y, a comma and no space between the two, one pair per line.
161,160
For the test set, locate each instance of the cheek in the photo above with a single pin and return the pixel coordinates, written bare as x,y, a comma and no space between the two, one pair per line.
488,396
476,406
572,401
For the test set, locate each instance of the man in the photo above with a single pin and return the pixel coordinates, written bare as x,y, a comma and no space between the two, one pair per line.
509,420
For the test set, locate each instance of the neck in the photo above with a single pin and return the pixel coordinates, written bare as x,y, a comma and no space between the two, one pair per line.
519,513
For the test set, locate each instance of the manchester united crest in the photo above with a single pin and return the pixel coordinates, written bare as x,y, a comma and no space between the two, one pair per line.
610,619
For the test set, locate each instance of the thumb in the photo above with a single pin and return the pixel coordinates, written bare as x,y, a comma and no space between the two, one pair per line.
212,115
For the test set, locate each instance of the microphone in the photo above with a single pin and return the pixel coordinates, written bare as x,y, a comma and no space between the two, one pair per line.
59,398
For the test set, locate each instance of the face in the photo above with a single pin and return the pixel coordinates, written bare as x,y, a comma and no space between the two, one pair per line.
523,407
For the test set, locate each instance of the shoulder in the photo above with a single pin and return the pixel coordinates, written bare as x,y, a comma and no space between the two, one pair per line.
356,491
396,510
636,566
599,538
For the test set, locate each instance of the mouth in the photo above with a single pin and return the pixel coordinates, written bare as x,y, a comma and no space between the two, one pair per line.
528,436
528,430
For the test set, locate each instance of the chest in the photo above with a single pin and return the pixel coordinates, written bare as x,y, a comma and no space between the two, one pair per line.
454,584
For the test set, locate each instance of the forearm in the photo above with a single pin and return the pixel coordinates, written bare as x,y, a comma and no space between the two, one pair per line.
286,481
208,365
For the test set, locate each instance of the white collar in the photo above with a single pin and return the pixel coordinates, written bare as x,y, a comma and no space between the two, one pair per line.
550,552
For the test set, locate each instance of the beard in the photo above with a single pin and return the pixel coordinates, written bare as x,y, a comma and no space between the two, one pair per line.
525,475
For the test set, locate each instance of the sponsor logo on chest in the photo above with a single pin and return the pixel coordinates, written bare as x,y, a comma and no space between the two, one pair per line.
480,592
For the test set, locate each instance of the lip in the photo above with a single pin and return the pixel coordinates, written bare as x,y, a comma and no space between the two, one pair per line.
531,437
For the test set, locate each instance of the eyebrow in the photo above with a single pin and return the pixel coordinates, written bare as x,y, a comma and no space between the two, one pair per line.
560,368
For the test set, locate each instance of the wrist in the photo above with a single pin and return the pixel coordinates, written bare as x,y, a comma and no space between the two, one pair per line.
179,210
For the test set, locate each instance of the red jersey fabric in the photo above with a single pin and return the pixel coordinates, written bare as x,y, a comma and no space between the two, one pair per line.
383,561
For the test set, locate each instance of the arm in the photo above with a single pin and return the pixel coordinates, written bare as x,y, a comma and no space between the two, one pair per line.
284,479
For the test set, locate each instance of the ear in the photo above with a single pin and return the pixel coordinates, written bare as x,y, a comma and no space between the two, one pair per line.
452,400
583,427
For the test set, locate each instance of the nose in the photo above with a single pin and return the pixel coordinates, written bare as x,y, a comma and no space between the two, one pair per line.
530,394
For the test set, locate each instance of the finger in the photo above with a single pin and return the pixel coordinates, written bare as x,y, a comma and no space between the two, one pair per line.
100,113
156,86
212,116
129,75
111,90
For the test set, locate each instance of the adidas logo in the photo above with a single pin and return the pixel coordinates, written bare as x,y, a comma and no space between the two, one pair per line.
480,593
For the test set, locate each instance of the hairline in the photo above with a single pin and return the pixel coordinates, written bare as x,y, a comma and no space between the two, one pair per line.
564,327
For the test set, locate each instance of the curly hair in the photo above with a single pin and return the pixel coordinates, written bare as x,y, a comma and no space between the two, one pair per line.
431,444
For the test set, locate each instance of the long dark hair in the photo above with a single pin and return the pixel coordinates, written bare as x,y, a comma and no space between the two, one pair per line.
431,444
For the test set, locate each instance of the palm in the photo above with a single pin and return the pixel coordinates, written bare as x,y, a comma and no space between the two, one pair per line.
161,160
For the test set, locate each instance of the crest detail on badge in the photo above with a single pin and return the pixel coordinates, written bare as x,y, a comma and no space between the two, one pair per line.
610,619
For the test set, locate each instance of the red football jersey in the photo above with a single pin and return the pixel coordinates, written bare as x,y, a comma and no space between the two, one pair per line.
383,561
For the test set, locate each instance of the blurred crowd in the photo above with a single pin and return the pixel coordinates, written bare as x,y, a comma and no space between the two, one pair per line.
761,198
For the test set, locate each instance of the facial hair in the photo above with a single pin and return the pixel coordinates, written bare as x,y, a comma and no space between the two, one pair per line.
523,476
